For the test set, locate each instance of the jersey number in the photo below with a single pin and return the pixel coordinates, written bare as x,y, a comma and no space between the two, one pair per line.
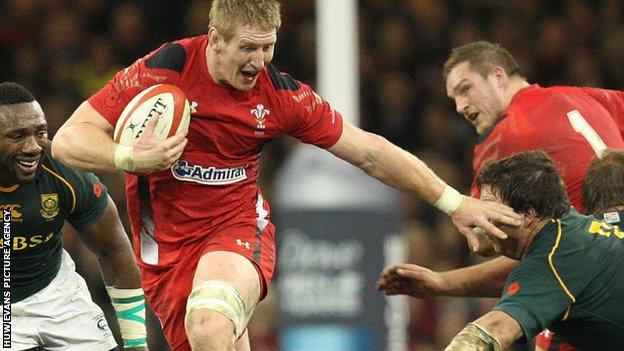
604,229
580,125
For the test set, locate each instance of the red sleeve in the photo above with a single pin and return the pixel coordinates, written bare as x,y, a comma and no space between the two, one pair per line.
125,85
613,101
314,120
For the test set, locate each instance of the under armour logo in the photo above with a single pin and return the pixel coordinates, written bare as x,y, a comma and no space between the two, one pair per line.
245,244
193,107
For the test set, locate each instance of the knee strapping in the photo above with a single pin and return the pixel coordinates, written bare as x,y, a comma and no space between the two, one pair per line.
221,297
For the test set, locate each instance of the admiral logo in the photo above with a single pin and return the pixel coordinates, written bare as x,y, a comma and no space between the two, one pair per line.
301,96
208,176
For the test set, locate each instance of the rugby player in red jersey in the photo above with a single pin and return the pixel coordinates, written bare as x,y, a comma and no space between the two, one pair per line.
202,230
571,124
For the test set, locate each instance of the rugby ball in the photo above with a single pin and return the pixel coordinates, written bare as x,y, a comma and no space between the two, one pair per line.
165,100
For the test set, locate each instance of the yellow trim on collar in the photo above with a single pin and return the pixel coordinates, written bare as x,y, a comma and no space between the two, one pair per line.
9,188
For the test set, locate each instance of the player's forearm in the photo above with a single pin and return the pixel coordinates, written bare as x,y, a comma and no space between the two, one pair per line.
486,279
84,147
120,270
504,328
123,284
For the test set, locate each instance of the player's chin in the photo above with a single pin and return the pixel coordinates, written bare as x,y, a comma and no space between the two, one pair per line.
246,82
24,178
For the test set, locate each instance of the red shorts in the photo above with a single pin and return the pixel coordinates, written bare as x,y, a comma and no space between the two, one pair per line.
167,289
548,341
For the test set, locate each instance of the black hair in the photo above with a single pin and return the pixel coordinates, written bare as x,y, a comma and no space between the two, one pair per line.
527,180
13,93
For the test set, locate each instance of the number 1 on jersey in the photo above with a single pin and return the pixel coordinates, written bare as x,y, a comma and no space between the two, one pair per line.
580,125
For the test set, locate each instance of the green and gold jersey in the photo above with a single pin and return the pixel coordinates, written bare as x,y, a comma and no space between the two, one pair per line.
571,281
38,211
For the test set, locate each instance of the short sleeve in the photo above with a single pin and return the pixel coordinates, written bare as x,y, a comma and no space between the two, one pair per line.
315,121
91,199
533,297
155,68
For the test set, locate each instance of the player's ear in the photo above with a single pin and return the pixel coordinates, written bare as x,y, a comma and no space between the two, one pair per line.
499,74
215,39
529,217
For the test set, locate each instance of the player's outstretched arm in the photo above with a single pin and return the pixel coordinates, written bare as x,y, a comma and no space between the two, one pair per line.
109,242
84,142
398,168
412,280
486,279
496,331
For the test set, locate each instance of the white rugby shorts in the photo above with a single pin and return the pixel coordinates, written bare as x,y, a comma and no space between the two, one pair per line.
61,316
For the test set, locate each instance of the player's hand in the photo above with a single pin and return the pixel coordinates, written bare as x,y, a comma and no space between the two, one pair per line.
152,154
410,279
486,247
140,348
477,213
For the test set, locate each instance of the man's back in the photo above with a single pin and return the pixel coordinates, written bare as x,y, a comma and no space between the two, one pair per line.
571,280
570,124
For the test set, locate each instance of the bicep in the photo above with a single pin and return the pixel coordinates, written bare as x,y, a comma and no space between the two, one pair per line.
86,114
107,234
354,144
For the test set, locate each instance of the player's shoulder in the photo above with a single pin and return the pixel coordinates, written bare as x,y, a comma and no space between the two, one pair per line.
174,55
280,81
565,94
535,100
59,172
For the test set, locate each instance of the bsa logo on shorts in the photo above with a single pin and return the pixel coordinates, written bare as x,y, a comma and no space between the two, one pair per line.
49,206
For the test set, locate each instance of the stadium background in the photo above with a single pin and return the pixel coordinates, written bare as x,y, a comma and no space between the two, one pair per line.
63,50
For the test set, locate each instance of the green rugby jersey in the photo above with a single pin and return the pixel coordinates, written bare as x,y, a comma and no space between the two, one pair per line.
571,281
38,212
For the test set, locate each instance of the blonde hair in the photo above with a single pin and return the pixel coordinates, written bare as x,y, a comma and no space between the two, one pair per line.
228,16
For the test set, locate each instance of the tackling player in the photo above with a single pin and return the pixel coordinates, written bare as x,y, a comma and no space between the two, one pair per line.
50,303
569,277
203,232
571,124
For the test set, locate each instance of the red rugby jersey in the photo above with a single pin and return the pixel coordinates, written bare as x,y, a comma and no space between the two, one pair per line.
544,119
215,180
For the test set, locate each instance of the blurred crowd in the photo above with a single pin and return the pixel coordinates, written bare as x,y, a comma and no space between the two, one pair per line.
64,50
